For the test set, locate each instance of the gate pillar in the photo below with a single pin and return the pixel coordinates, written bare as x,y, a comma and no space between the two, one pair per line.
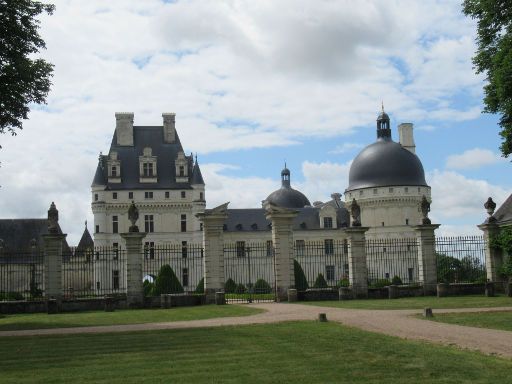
213,244
427,260
53,243
493,256
357,268
282,240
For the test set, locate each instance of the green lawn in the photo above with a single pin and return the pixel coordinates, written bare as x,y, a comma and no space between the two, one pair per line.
419,302
299,352
494,320
133,316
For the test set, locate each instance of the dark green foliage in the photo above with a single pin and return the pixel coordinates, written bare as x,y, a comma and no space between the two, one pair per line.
494,59
200,286
343,283
301,283
240,288
166,282
148,288
24,79
261,286
452,270
381,283
11,296
230,286
396,280
506,268
320,282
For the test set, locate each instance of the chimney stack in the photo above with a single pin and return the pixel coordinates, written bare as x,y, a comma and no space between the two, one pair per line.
124,128
406,135
169,127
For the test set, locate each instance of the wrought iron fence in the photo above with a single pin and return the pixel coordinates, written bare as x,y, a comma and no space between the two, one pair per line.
22,274
392,259
461,259
185,260
322,264
249,271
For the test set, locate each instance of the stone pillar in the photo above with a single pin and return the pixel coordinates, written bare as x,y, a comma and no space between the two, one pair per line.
493,256
427,260
357,269
134,287
53,244
282,240
213,244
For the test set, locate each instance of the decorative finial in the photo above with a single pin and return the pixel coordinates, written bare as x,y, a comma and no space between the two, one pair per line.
85,224
382,103
425,209
285,163
196,157
355,212
490,206
133,215
53,219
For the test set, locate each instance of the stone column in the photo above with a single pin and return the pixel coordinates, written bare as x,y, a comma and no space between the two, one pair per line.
282,241
427,260
493,256
53,244
213,244
357,269
134,259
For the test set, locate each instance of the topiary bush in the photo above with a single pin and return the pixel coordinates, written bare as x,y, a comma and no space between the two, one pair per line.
396,280
240,288
301,283
200,286
320,282
148,288
343,283
166,282
261,286
230,286
380,283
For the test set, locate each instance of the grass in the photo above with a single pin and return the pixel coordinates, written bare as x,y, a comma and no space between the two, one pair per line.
84,319
419,302
296,352
493,320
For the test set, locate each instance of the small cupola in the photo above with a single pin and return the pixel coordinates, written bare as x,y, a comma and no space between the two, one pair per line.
285,177
383,125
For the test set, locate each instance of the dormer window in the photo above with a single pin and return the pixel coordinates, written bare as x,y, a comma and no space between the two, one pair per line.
327,222
147,166
181,163
147,169
182,171
113,171
114,168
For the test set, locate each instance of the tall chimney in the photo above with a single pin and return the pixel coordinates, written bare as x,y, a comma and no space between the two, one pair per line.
406,135
124,128
169,127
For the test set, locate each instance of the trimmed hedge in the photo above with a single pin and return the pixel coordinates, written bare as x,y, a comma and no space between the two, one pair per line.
320,282
166,282
200,286
230,286
261,286
301,283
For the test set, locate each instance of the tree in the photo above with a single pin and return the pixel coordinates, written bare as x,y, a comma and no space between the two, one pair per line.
166,282
23,78
494,58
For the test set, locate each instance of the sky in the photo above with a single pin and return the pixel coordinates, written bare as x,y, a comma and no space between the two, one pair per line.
254,84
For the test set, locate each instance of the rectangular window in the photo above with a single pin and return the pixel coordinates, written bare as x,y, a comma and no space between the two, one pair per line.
201,196
114,171
147,169
115,224
375,191
97,229
406,190
148,195
167,194
115,280
406,221
390,190
149,250
130,195
300,247
329,246
182,170
183,194
183,223
184,249
270,248
386,275
240,248
95,197
115,249
329,272
200,226
114,195
327,222
184,277
98,285
346,269
382,223
149,225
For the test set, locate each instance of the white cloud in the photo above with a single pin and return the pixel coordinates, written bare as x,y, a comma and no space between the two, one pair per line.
345,147
472,159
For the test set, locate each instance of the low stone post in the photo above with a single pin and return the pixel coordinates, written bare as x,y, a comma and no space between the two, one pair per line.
427,261
357,268
282,240
53,244
443,289
393,292
493,256
292,295
489,289
213,244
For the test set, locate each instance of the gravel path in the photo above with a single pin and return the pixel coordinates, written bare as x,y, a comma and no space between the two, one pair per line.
400,323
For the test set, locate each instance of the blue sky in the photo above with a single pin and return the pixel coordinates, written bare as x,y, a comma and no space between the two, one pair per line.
254,84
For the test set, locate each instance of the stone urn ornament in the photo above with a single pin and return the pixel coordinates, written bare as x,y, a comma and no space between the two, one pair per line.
53,219
133,216
355,212
425,209
490,206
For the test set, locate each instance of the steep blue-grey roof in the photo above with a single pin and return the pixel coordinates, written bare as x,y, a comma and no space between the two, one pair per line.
17,235
99,176
197,177
503,214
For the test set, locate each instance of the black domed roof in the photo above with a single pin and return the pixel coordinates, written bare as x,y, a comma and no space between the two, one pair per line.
385,163
286,196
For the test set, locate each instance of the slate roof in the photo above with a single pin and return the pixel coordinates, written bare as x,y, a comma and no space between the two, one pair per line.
503,214
17,234
197,177
166,154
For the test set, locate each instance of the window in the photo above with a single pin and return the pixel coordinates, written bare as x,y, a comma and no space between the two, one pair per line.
113,171
327,222
329,246
386,275
182,170
382,223
114,195
375,191
167,194
183,194
130,195
419,189
270,248
406,221
184,249
384,249
149,225
300,246
147,170
97,229
360,193
346,269
148,195
390,190
329,272
345,247
201,196
98,285
95,197
184,277
240,248
406,190
149,250
115,279
200,226
115,248
115,224
183,223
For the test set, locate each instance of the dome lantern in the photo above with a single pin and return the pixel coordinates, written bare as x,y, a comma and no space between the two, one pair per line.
383,126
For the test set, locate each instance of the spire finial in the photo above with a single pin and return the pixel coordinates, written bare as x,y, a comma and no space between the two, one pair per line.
382,103
196,157
85,224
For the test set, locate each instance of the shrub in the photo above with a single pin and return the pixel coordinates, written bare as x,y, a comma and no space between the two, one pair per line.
200,286
35,292
396,280
240,288
343,283
320,282
301,283
230,286
148,288
11,296
166,282
261,286
380,283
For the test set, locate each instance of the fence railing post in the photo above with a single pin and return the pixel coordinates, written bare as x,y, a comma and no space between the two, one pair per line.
213,244
493,256
357,267
282,241
427,261
53,244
